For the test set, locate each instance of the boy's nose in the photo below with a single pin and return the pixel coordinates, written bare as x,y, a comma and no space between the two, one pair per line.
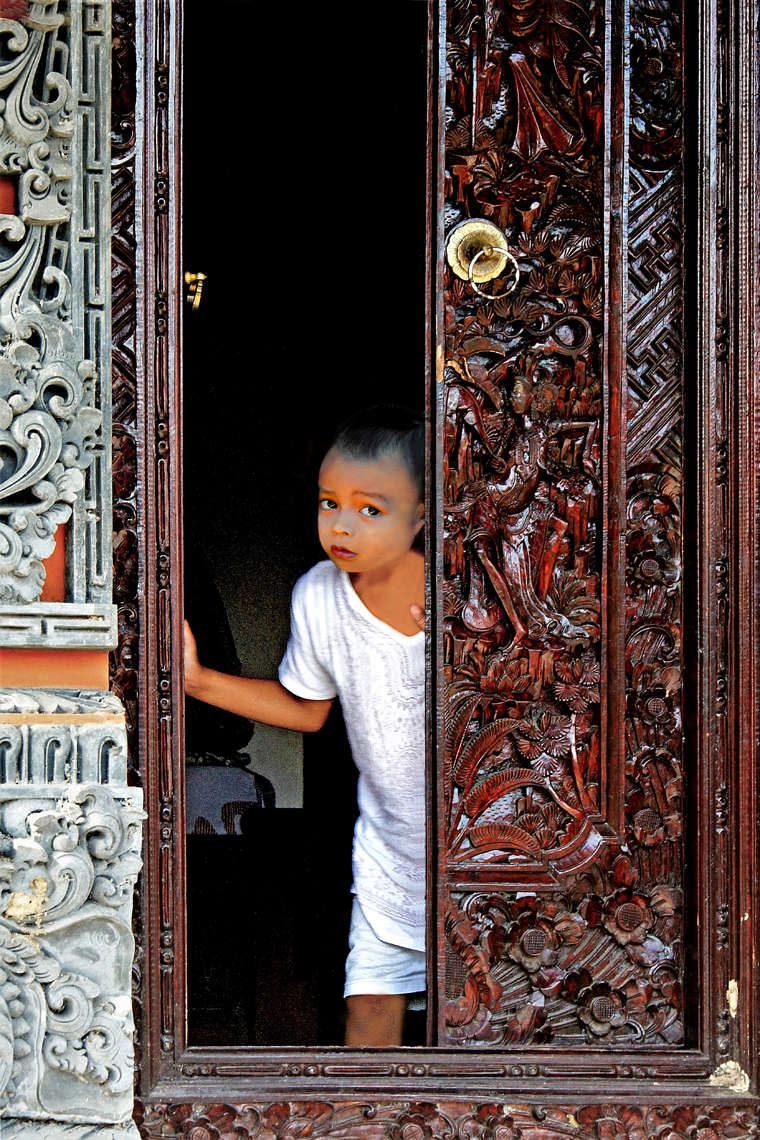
340,524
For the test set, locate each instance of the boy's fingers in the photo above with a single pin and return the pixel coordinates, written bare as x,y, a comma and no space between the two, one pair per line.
190,646
418,615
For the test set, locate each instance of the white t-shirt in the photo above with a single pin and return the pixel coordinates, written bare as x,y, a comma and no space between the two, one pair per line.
338,648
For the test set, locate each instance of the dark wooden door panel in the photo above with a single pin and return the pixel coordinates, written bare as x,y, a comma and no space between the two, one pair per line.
562,789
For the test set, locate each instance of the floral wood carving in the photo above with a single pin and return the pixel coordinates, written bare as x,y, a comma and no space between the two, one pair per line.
589,951
444,1120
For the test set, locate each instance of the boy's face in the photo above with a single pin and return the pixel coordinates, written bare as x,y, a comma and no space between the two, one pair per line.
369,511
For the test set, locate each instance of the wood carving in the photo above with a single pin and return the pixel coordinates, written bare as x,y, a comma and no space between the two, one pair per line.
125,659
444,1120
561,876
588,951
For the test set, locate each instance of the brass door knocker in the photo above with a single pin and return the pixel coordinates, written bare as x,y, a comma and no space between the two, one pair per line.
195,290
477,251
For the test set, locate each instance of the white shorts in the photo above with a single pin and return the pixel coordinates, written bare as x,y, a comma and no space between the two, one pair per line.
377,967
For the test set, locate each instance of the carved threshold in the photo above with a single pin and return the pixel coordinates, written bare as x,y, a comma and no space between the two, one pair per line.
444,1120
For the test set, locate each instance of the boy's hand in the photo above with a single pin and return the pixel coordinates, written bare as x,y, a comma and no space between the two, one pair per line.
192,664
418,616
262,700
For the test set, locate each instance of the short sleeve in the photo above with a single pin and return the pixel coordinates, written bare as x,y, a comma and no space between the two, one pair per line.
301,670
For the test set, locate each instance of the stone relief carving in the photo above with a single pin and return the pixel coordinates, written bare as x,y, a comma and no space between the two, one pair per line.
67,872
55,324
69,858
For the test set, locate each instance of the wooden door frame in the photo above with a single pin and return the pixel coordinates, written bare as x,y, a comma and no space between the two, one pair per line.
148,461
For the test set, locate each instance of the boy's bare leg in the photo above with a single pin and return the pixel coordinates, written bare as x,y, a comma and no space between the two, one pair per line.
375,1019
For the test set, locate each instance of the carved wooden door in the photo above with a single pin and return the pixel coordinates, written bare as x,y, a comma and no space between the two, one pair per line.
561,799
592,696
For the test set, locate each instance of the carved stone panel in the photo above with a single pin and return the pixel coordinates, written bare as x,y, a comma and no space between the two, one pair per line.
561,805
55,317
70,841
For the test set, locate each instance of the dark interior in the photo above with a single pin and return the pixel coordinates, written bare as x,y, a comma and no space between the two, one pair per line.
305,206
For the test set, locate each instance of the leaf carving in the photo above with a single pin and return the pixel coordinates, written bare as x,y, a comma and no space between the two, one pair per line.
497,786
457,727
481,745
505,835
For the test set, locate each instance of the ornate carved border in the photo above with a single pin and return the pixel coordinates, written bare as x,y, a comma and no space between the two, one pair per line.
726,688
443,1120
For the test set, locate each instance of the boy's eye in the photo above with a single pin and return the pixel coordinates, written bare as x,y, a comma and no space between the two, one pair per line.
327,504
370,512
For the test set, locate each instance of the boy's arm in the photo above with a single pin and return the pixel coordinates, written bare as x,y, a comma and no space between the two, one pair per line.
266,701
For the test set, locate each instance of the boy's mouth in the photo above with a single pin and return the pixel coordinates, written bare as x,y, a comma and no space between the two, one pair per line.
342,552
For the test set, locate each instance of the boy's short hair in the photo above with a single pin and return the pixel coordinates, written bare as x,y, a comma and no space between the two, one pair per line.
386,429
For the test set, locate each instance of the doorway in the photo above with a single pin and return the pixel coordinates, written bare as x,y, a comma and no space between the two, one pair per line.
271,366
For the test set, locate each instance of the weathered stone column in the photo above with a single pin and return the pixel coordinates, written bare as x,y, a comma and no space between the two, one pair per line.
70,828
70,837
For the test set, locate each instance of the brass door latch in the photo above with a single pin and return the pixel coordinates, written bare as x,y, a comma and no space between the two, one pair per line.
477,251
194,281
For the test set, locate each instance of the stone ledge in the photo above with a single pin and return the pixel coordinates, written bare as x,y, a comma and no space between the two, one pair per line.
52,1130
58,625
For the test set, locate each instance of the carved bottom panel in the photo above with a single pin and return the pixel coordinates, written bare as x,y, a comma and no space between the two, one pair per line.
47,1130
444,1120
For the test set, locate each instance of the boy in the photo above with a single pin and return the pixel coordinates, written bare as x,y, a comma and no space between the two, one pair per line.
356,633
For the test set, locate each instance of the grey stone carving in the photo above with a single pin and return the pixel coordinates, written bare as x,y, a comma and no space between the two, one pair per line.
58,624
69,701
70,857
33,1130
55,324
35,752
70,838
70,828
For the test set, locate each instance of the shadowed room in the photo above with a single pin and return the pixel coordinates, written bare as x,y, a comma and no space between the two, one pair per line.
272,364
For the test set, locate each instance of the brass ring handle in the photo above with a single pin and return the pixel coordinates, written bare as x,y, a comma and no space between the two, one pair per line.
487,251
195,291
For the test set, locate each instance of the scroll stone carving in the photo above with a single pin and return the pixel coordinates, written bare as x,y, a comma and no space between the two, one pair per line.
55,325
70,838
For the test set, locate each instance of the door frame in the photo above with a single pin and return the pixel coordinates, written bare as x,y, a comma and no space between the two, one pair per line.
147,173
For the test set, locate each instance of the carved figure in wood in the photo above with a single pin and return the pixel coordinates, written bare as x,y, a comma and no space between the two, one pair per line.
528,502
